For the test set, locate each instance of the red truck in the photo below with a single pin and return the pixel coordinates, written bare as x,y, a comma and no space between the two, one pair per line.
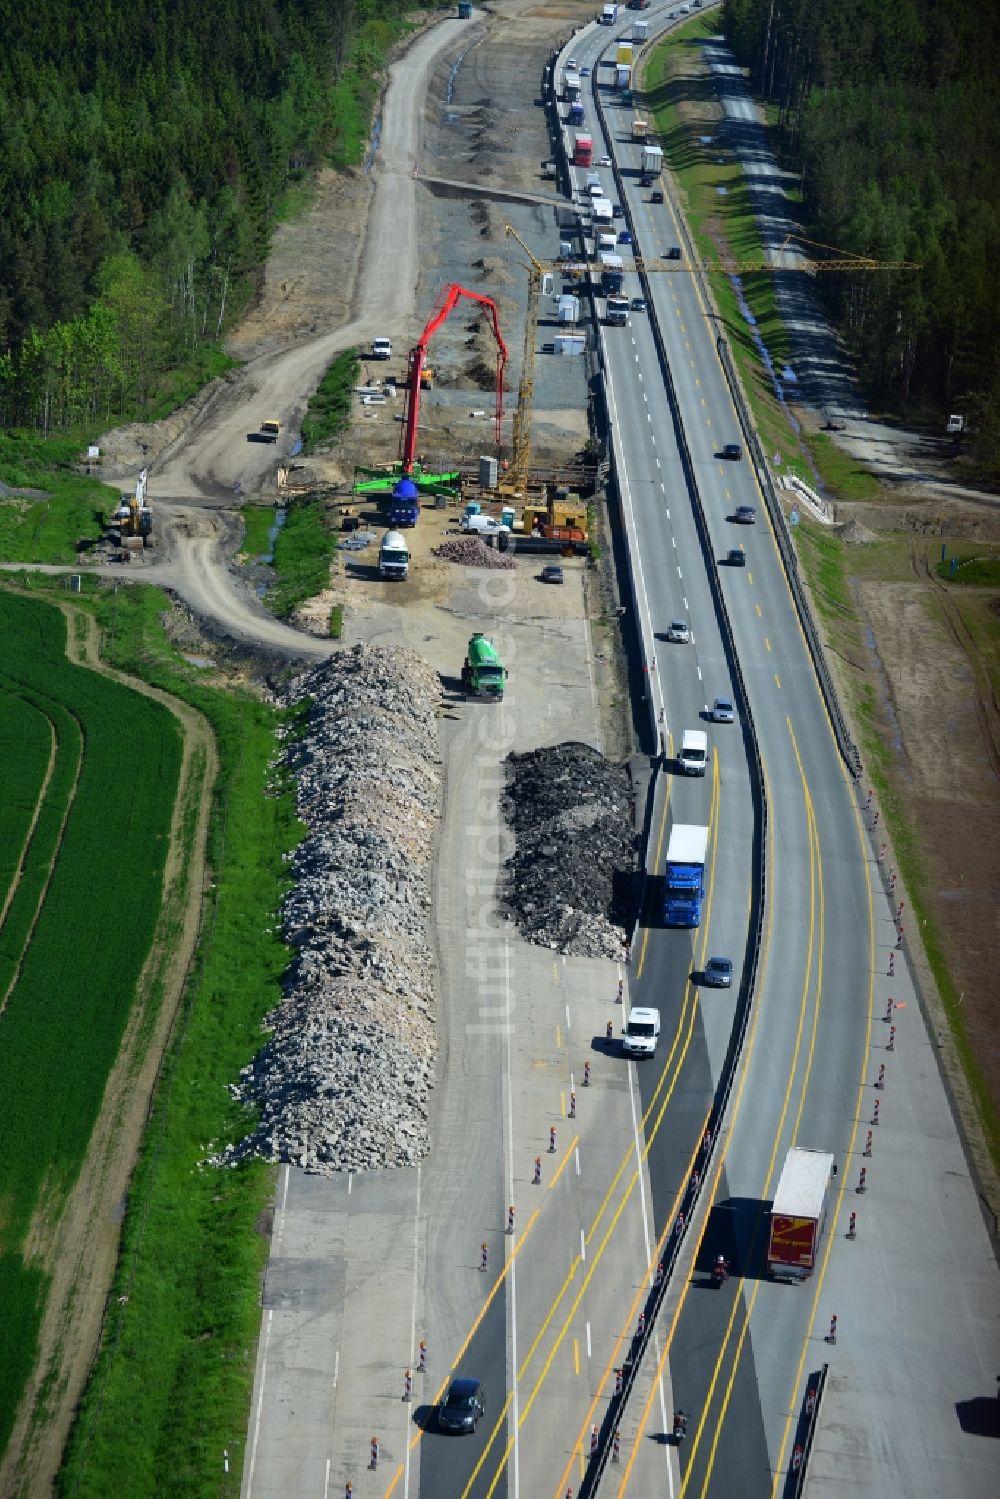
583,150
798,1213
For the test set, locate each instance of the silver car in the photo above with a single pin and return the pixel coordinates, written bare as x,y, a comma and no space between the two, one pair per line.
723,711
679,633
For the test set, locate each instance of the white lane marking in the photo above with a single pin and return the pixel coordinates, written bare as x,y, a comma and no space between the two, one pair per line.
668,515
569,1023
267,1341
413,1333
326,1480
512,1277
686,604
576,1153
679,573
350,1182
583,1246
699,673
673,542
589,1354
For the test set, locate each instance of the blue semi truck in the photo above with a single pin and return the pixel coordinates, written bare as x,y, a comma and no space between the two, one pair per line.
684,877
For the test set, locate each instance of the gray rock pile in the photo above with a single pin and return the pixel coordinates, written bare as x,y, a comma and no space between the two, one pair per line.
472,551
343,1081
570,882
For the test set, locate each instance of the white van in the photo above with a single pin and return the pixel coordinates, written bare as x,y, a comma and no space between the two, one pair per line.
484,525
381,348
601,210
641,1033
693,758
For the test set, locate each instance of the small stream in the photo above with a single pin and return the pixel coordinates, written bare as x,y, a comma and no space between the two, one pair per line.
266,559
451,118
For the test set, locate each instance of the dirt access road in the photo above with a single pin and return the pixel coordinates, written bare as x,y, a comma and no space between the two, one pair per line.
276,384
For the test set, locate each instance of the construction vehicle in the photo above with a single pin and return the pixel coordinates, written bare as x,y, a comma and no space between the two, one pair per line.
446,303
270,430
133,518
482,672
640,129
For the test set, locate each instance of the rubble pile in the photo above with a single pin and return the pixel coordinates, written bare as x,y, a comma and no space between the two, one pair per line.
569,883
472,551
343,1081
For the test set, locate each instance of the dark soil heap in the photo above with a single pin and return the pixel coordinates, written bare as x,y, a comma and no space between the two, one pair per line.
569,883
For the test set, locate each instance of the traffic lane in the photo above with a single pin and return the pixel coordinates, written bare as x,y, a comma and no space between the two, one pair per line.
739,1464
447,1460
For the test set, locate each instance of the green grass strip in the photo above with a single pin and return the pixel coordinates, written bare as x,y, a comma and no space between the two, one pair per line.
329,410
303,552
172,1383
25,746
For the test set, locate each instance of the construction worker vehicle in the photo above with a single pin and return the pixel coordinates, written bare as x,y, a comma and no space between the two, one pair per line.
483,675
270,430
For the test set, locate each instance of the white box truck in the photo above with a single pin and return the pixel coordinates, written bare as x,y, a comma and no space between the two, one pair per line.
798,1213
641,1033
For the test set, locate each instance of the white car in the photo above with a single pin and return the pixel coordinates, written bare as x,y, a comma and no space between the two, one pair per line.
679,632
723,710
605,161
571,64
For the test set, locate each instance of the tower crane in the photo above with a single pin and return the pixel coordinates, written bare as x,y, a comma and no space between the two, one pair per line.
539,279
446,303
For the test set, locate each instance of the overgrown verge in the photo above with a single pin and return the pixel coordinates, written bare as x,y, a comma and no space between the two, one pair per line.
48,512
329,408
172,1381
303,551
823,557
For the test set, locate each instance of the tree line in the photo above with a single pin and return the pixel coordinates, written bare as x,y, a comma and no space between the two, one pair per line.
145,147
891,112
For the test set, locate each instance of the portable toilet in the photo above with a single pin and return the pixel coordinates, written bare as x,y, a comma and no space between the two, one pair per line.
465,10
472,508
507,516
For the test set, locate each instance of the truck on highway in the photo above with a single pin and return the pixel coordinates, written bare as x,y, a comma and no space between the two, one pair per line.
640,31
684,876
798,1213
601,211
483,675
623,75
640,128
583,150
612,272
609,15
641,1033
616,312
575,116
624,53
638,5
652,163
393,557
693,758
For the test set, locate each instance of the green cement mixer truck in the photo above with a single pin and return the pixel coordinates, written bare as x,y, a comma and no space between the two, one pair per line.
482,673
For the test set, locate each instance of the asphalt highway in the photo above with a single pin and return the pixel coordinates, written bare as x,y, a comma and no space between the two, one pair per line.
734,1352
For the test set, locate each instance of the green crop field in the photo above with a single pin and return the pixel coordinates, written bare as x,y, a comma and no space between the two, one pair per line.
25,745
76,934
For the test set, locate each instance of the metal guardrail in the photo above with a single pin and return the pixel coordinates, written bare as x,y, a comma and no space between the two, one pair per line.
675,1237
805,1431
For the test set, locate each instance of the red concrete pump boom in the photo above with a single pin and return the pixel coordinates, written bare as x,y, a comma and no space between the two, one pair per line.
445,304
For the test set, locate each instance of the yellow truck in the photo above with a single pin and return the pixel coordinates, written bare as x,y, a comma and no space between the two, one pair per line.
269,431
640,128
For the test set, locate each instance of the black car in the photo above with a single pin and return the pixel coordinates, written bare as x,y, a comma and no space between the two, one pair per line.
732,450
736,557
674,253
552,574
463,1405
638,304
718,973
656,196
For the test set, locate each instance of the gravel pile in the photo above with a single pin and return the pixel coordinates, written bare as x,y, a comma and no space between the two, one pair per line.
472,551
343,1082
568,884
